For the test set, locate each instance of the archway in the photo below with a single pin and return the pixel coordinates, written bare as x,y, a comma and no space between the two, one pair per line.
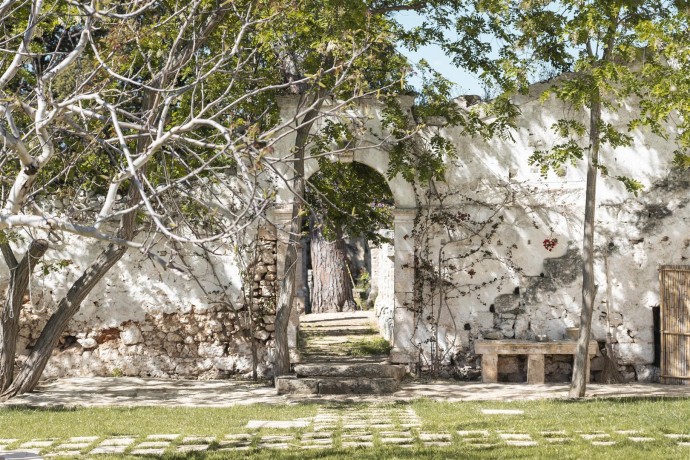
405,210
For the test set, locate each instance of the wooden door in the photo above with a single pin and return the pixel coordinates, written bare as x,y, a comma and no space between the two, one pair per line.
674,281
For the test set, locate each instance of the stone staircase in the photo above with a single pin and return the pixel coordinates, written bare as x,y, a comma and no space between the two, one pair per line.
329,364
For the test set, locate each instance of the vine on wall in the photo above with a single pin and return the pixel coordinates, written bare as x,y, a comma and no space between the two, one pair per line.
459,255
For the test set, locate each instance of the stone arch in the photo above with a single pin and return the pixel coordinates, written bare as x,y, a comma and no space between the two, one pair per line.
404,214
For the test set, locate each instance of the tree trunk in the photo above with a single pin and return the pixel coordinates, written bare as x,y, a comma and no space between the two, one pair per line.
20,274
31,370
50,335
580,365
332,290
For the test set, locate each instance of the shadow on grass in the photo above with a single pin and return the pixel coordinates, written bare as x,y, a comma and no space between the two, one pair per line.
358,453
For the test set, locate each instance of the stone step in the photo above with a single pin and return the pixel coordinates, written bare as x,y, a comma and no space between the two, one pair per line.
369,370
340,358
335,385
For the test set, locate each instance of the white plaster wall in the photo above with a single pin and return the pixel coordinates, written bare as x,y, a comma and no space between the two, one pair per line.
634,234
492,180
382,269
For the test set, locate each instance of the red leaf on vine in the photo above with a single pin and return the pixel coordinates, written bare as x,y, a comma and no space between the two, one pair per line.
550,243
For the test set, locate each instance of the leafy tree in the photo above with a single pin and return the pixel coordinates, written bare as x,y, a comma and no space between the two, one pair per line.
345,200
167,110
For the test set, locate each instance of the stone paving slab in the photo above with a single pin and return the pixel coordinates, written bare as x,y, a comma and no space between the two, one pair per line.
74,445
64,453
148,451
515,436
198,439
37,443
168,437
280,424
88,439
593,436
603,443
434,436
520,443
464,433
192,448
108,450
397,440
152,444
357,444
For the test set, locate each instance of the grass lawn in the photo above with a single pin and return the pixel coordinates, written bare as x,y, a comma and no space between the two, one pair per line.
652,419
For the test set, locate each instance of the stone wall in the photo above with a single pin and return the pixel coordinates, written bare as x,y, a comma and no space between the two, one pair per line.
496,255
142,320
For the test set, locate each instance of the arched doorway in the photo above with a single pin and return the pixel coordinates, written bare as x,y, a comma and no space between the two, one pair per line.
405,209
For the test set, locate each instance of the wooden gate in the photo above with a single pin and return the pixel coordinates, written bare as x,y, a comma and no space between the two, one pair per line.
674,285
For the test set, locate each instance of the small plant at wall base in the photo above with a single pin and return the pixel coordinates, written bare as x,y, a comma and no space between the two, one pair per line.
362,289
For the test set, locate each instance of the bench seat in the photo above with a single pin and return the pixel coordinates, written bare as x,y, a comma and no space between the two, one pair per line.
535,351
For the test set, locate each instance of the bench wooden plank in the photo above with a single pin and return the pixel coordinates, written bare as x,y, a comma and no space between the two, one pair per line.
527,347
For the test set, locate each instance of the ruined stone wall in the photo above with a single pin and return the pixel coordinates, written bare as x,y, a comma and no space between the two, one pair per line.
142,320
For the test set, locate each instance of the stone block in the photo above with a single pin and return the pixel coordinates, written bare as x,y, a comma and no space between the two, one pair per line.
351,370
211,350
334,386
522,327
507,303
131,335
646,373
634,353
88,343
293,385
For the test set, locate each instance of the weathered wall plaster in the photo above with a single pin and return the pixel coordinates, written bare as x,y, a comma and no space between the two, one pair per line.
500,281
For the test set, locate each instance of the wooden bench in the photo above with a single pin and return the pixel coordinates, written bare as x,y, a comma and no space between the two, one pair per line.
535,351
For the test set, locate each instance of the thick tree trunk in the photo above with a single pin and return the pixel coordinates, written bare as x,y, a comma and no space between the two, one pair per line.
20,273
580,365
332,290
31,370
40,354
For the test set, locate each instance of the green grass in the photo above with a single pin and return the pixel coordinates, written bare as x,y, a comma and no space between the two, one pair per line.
140,421
369,347
653,417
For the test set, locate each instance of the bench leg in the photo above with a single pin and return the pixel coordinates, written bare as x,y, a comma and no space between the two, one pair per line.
489,368
535,369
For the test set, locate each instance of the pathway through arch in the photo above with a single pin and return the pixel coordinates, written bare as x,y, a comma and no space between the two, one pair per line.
342,353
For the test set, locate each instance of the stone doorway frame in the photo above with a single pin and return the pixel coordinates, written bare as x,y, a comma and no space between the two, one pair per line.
404,213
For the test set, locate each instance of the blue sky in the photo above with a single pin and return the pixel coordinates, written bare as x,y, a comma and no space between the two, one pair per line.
465,82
